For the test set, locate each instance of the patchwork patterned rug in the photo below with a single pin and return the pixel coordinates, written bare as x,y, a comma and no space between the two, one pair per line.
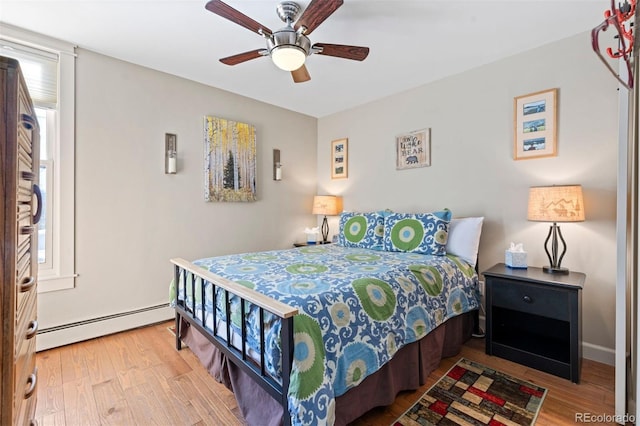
474,394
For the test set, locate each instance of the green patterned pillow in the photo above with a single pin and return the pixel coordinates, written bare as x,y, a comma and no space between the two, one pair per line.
424,233
363,230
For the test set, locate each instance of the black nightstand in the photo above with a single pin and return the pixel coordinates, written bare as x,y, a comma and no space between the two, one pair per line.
534,318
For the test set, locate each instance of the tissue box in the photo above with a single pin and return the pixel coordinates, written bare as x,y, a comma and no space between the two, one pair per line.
515,259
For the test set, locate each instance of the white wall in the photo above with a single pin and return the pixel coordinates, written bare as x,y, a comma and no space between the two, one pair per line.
131,218
473,173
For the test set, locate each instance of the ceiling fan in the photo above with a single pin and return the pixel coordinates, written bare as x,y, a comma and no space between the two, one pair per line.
289,46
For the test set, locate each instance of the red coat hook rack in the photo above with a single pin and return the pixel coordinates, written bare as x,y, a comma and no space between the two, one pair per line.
616,17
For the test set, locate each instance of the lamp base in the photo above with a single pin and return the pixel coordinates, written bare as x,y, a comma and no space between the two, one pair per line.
555,261
325,230
555,270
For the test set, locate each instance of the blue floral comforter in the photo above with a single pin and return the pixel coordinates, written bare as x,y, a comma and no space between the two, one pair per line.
357,308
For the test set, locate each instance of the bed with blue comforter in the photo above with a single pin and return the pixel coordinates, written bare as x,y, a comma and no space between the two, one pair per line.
356,308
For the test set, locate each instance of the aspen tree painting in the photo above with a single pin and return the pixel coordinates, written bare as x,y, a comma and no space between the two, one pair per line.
229,160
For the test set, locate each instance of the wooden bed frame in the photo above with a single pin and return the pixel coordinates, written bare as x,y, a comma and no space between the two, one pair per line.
222,339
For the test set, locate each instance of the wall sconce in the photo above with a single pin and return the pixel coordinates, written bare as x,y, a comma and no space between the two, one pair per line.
277,166
170,154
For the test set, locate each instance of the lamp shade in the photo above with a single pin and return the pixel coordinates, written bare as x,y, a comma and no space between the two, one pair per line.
327,205
557,203
288,58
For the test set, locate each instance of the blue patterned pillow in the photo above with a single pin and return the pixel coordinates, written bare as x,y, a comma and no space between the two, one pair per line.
363,230
424,233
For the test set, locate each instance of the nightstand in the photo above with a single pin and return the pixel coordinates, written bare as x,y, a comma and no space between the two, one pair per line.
534,318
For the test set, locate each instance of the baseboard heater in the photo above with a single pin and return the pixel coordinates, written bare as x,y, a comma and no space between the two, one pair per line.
103,318
79,331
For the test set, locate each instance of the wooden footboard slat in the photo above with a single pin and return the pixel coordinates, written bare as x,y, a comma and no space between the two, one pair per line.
256,369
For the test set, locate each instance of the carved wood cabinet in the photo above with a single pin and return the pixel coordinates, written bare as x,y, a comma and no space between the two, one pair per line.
20,207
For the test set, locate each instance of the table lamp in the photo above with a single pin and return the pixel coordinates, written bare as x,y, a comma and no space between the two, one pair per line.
326,205
557,203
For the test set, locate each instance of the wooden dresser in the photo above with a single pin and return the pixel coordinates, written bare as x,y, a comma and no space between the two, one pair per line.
20,203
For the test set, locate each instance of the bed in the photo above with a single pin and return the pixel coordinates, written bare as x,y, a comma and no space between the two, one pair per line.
321,334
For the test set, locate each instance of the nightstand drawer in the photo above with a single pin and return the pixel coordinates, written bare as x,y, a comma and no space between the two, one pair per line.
534,299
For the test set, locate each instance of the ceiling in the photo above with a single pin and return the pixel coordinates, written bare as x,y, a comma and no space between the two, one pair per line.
411,42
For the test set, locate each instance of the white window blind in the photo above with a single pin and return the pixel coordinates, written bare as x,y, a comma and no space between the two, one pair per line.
40,70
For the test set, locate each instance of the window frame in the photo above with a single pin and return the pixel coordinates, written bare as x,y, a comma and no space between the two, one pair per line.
46,161
60,274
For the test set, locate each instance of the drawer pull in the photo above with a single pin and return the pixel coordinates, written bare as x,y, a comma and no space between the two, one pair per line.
28,176
31,331
527,299
27,284
27,121
38,215
27,230
31,384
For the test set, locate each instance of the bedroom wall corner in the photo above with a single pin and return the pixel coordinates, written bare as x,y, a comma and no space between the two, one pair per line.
472,169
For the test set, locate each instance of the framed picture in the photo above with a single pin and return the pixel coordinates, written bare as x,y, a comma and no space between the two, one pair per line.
229,160
413,149
535,123
339,158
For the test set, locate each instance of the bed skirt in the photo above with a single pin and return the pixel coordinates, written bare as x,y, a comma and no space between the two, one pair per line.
408,370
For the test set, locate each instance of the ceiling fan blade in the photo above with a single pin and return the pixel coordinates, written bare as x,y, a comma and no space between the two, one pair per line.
316,13
242,57
226,11
357,53
300,75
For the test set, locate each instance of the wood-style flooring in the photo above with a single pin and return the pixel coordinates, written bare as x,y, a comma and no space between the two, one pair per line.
138,378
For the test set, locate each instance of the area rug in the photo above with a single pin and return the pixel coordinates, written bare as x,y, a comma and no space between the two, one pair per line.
474,394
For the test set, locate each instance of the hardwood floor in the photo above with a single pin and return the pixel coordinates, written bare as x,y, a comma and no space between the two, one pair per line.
138,378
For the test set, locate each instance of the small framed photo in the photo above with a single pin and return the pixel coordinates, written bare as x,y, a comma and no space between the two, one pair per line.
339,158
413,149
535,125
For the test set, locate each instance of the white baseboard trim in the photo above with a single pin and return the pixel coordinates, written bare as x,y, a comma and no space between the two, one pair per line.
598,353
589,350
84,330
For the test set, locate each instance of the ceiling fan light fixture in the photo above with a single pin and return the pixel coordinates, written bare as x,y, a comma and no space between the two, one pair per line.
290,45
288,57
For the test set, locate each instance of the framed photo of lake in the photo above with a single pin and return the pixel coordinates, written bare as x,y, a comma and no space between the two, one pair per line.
535,125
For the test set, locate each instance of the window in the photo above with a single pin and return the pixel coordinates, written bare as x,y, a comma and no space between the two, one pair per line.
45,240
48,66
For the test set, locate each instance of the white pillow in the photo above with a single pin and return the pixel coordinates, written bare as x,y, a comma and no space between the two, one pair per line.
464,238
